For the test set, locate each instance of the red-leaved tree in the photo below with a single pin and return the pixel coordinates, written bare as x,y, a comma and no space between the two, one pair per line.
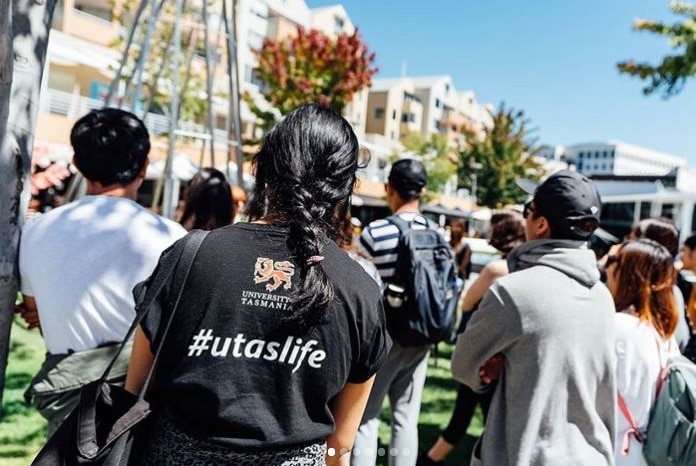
313,67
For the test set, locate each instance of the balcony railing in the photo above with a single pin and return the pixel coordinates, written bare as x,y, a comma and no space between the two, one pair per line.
74,106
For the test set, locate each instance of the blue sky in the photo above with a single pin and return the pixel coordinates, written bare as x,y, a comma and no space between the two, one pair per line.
556,60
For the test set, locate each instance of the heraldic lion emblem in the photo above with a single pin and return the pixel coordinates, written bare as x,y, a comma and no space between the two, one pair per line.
280,273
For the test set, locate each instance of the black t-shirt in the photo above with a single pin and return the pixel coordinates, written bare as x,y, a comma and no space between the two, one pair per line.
233,372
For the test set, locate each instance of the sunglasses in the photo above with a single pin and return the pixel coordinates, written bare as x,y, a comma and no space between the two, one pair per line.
528,207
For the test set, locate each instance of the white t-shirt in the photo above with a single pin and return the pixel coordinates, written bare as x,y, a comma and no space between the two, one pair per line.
81,261
638,367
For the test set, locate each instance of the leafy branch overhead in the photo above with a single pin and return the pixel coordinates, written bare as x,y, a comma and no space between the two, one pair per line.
313,67
501,153
670,74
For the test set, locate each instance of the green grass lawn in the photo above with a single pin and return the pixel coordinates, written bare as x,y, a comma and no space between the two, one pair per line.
23,430
438,401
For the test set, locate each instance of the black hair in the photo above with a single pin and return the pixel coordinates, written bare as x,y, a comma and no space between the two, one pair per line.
577,230
111,146
305,173
690,242
208,201
407,194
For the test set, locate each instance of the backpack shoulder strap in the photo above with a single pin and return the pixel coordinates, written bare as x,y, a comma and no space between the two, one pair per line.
399,223
633,431
192,244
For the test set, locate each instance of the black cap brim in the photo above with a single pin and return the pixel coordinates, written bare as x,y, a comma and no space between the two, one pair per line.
527,185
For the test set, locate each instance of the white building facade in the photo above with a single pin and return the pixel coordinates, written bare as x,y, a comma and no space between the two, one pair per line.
620,159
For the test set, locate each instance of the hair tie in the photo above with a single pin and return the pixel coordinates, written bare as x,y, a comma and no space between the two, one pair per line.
660,287
314,260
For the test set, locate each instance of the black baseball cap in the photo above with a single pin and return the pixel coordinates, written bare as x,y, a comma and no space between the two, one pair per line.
408,177
567,199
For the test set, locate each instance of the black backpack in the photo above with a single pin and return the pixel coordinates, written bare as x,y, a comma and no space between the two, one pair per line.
421,301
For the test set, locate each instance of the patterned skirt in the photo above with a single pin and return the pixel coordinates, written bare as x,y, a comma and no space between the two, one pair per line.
170,446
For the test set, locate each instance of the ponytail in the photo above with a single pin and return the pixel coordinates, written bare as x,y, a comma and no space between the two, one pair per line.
305,173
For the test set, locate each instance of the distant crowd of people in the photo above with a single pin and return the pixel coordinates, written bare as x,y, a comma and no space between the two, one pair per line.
292,333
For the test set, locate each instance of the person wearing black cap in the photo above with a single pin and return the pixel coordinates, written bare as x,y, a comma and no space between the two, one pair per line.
403,374
546,334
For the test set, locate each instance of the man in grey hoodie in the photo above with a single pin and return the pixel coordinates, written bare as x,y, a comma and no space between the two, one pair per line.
546,334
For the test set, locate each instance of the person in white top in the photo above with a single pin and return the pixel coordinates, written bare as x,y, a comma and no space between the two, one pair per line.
79,263
640,277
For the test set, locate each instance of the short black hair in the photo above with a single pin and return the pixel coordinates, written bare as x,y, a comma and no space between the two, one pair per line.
111,146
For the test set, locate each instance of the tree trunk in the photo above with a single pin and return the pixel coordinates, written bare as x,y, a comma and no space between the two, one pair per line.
20,83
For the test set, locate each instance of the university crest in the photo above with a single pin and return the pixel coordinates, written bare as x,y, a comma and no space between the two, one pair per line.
275,272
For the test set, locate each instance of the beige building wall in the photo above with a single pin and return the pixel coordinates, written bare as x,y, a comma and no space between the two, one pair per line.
394,110
376,123
86,19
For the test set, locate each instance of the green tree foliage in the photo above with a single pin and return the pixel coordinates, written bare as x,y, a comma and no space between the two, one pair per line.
157,70
439,158
501,153
670,74
312,67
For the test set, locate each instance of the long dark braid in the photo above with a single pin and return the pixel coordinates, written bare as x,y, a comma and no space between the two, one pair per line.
305,173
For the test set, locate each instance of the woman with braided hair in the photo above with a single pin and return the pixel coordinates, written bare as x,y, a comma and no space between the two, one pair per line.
277,366
640,277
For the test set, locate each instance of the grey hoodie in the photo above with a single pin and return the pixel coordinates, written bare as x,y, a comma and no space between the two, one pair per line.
553,321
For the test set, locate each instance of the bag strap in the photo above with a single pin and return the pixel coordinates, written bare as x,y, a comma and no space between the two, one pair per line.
193,243
151,293
400,223
633,431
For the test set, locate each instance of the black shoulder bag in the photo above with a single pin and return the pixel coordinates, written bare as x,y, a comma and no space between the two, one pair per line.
109,424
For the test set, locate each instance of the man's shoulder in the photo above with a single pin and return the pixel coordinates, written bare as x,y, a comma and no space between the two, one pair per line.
530,282
41,222
149,223
381,229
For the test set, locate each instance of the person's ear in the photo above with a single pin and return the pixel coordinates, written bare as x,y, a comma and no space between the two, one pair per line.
542,227
143,170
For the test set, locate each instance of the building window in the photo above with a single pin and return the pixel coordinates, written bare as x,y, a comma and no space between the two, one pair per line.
379,113
669,211
617,218
604,154
438,104
447,88
408,118
580,155
393,114
339,24
580,166
645,208
392,135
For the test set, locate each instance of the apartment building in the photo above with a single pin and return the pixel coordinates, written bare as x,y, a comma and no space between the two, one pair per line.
427,105
81,62
620,159
393,109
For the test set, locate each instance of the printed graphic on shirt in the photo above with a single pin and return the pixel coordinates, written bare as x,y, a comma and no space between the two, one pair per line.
279,272
293,351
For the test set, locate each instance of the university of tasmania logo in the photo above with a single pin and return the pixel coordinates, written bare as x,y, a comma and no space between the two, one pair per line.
276,272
